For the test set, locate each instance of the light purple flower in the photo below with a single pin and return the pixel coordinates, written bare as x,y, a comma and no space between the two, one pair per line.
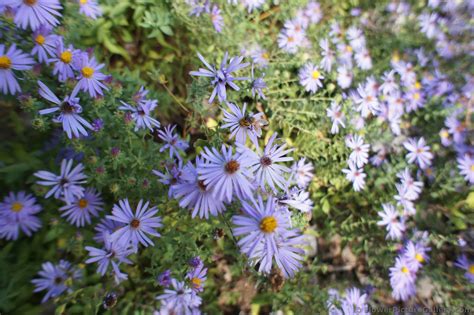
242,124
466,168
226,173
172,141
81,209
344,76
258,85
45,43
223,76
354,303
17,211
360,151
171,176
402,280
216,19
302,173
13,59
355,175
390,218
34,13
298,199
137,225
252,4
67,185
90,8
141,114
310,78
197,277
337,117
419,152
180,299
64,59
464,263
416,254
69,108
106,227
89,76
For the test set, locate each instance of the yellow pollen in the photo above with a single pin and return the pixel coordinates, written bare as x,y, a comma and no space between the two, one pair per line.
405,269
29,2
471,269
445,134
66,56
39,39
87,72
396,57
419,257
315,74
416,96
268,224
17,206
291,39
417,85
82,1
265,55
472,167
196,282
5,62
82,203
348,48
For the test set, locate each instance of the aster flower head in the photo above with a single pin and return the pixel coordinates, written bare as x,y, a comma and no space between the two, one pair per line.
12,59
416,254
466,168
266,164
90,8
310,78
112,254
389,85
354,302
302,173
44,43
242,124
329,56
82,209
69,112
223,76
216,19
179,299
253,4
258,85
195,195
468,265
355,175
197,276
344,77
34,13
402,280
55,279
105,228
17,212
409,186
172,175
390,219
366,101
313,12
290,41
260,57
138,225
172,141
337,117
141,114
90,77
298,199
67,184
164,278
419,152
64,59
226,173
360,150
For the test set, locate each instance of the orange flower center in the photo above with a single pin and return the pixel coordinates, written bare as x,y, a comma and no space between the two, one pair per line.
17,206
66,56
232,166
40,39
196,282
87,72
5,62
135,223
30,2
82,203
265,55
268,224
471,269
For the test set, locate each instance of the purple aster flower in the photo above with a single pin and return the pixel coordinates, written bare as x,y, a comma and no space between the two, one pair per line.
195,195
55,279
64,59
363,59
45,43
313,12
179,299
298,199
302,173
34,13
217,20
89,76
445,138
416,254
172,141
260,224
252,4
164,278
106,227
290,41
141,114
266,165
355,175
13,59
337,117
113,254
329,56
222,76
137,225
227,174
390,219
69,108
171,176
366,101
242,124
466,168
97,125
195,262
344,76
258,85
310,78
456,128
67,185
419,152
464,263
360,151
389,85
260,57
198,7
81,209
429,24
90,8
402,280
197,277
17,211
354,303
411,188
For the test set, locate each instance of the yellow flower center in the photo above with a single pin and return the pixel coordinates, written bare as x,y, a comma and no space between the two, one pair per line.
348,48
5,62
39,39
291,39
396,57
419,257
268,224
82,203
232,166
66,56
17,206
196,282
315,74
445,134
416,96
417,85
30,2
405,269
471,269
265,55
472,168
82,2
87,72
